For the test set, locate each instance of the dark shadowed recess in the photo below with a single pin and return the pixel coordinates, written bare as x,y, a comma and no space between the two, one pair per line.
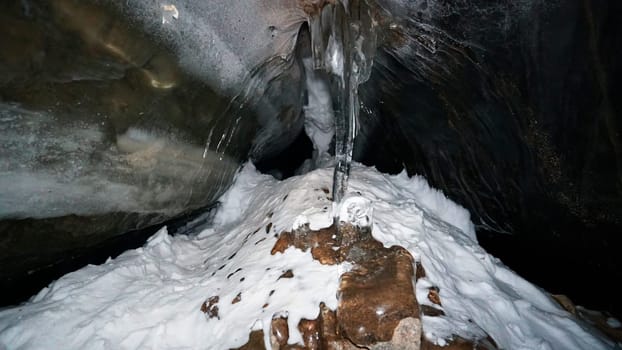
19,287
285,164
524,131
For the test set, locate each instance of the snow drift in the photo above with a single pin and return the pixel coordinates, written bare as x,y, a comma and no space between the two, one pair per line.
151,297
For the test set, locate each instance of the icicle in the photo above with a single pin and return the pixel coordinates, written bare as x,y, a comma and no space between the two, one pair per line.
352,28
339,66
317,41
347,29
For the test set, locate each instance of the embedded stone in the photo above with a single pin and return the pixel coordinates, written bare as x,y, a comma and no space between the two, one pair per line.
209,307
279,332
406,336
255,342
377,293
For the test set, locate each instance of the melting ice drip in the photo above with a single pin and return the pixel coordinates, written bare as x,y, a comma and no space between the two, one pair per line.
343,43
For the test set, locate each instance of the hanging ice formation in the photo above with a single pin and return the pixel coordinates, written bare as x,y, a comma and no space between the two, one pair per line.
343,43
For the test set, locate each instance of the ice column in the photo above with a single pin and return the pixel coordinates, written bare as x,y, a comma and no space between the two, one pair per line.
343,43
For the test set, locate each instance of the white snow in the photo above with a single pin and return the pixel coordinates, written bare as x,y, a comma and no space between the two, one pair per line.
151,297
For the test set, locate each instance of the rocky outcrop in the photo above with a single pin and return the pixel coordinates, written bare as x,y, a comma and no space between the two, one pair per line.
377,307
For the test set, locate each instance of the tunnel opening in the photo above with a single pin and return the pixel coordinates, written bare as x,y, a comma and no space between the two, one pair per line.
581,262
285,164
20,287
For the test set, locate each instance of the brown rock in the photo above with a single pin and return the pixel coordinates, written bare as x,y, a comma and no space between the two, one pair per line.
323,242
320,242
565,302
328,327
433,296
431,311
377,293
237,298
420,271
406,336
280,332
377,305
321,333
310,330
287,274
330,336
209,307
285,241
255,342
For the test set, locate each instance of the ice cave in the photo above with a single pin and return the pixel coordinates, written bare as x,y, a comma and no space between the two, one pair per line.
310,174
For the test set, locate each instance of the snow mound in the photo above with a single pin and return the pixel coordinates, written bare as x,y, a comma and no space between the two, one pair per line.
152,297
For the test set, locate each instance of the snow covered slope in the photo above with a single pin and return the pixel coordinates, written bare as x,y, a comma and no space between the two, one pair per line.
152,297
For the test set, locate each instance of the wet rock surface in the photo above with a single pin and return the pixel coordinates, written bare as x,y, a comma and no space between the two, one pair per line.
377,305
255,342
377,293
